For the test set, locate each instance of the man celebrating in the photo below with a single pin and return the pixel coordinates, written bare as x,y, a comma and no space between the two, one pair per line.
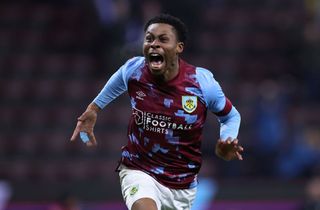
169,100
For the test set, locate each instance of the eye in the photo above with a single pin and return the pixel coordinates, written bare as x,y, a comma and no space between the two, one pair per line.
148,38
164,39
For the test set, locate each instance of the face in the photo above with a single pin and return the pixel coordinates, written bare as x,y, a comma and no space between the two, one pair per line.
161,48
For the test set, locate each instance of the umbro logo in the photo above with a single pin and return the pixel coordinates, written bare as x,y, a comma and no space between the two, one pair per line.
140,95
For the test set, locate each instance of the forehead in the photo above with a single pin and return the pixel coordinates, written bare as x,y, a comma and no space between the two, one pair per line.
160,29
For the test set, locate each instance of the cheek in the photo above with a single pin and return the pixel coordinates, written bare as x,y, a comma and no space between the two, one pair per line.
171,52
144,49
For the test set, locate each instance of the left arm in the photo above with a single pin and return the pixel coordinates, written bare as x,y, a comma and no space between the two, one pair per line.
229,118
227,146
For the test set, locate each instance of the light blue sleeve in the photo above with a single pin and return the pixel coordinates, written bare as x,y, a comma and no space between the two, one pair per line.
230,124
215,101
118,82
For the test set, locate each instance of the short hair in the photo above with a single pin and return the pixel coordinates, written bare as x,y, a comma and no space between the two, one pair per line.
175,22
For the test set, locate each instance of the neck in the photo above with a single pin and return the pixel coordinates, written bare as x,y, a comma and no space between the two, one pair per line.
172,71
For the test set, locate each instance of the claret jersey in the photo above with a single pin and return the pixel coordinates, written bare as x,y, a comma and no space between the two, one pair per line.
165,128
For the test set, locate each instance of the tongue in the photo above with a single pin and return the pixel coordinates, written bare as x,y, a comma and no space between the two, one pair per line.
156,63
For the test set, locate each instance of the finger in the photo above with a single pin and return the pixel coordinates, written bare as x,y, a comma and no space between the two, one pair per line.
229,140
76,131
239,156
235,141
75,134
220,143
82,117
240,148
91,143
92,140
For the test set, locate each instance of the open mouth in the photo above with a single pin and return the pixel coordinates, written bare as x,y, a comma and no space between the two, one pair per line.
156,60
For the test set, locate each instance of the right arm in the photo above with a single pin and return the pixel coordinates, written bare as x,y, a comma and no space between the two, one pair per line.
115,86
85,124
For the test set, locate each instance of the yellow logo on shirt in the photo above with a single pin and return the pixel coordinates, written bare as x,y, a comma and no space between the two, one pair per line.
189,103
134,190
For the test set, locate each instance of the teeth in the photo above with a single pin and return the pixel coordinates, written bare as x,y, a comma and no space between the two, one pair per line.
155,54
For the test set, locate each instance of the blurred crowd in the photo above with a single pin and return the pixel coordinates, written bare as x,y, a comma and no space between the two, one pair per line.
57,55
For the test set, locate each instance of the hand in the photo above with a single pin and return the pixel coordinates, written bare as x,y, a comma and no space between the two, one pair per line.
86,123
229,149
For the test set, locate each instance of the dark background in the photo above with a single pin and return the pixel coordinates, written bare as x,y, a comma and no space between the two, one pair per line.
56,55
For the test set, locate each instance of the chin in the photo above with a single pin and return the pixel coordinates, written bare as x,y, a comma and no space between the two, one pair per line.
157,72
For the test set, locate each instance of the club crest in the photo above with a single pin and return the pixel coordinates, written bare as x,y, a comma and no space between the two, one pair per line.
189,103
134,190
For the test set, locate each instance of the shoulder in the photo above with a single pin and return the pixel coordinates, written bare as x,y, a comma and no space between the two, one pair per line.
202,76
211,89
132,68
205,77
135,62
203,72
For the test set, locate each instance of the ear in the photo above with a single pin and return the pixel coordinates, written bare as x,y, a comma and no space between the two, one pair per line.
180,47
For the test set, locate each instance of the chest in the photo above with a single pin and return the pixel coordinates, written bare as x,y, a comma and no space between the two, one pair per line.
179,102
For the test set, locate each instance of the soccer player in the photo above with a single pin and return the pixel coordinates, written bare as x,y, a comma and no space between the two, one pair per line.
169,99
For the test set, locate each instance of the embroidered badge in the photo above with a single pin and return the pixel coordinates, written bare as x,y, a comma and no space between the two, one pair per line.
140,95
189,103
134,190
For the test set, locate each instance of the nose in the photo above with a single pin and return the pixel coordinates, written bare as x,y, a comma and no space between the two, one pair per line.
155,44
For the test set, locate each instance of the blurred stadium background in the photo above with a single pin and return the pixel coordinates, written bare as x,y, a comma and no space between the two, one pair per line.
57,54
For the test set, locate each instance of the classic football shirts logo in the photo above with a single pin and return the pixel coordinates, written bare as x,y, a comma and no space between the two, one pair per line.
156,122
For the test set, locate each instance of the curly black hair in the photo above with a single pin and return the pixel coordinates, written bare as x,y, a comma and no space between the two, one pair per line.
173,21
